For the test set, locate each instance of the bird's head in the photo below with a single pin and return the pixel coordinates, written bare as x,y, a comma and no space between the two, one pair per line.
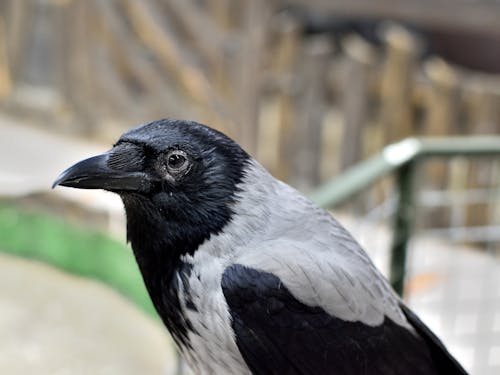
176,177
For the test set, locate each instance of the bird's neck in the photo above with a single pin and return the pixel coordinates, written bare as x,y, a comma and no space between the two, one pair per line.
163,247
158,246
253,212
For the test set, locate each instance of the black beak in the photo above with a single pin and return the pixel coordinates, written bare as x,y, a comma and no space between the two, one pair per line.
94,173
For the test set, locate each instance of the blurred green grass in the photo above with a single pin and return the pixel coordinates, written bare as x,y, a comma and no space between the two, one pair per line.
83,252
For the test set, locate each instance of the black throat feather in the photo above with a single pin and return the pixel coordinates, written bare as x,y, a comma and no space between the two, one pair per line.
161,235
158,245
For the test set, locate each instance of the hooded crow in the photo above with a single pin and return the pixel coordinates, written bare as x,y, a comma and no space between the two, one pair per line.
248,275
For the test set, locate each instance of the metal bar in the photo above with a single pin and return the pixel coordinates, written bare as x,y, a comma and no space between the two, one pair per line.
403,225
392,157
365,173
351,182
460,146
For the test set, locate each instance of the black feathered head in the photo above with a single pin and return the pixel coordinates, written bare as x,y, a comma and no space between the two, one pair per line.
177,178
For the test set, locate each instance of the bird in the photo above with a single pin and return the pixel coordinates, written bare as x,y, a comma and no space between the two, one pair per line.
247,274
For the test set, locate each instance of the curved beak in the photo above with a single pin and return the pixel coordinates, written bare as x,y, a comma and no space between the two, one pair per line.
94,173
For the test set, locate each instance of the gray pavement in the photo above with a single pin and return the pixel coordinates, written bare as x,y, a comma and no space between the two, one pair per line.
55,323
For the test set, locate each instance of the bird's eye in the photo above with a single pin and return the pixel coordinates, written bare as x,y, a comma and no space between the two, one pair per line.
177,161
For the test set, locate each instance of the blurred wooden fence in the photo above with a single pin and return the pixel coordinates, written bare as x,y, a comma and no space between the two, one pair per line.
305,106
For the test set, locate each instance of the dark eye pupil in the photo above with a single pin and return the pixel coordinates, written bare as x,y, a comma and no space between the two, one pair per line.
175,160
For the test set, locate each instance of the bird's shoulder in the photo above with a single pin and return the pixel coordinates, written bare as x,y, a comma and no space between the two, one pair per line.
277,230
321,265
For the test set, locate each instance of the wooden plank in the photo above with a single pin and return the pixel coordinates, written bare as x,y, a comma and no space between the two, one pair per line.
285,54
5,75
355,98
441,107
60,19
483,114
19,26
442,97
401,52
395,121
221,10
257,14
310,112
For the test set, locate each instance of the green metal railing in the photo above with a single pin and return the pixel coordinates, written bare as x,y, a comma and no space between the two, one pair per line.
401,160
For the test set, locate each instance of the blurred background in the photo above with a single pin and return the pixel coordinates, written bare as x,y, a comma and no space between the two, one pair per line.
311,89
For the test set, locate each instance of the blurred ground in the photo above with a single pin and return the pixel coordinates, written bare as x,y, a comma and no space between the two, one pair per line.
54,323
30,159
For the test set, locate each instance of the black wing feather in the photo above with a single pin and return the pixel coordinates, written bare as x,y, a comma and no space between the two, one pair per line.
277,334
445,363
